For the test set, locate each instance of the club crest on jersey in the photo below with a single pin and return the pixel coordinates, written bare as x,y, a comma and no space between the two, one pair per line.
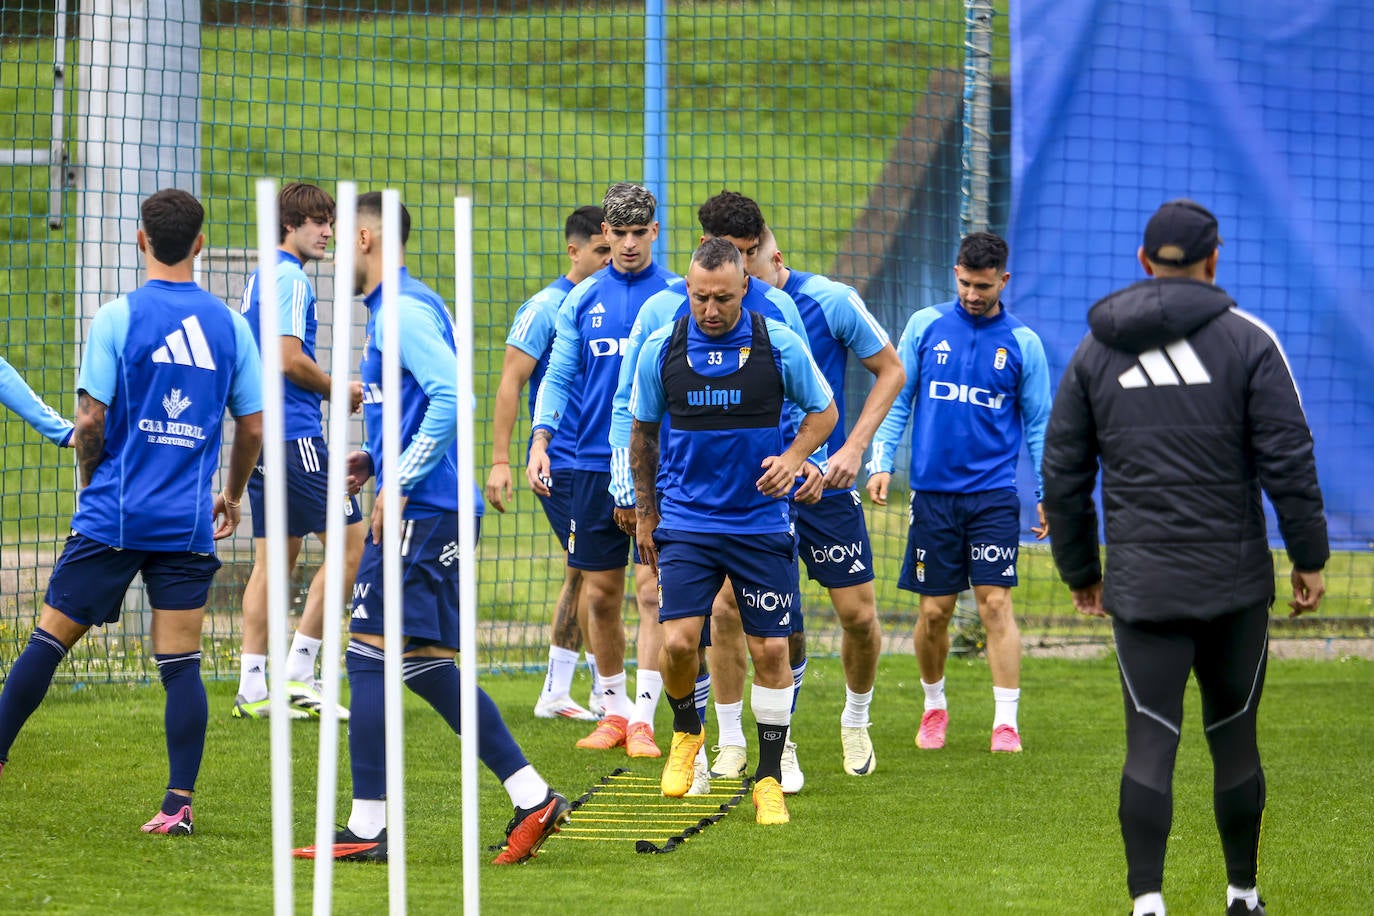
1000,360
920,571
744,355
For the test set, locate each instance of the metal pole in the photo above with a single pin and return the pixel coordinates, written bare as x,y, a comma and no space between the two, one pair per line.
467,550
656,118
973,207
973,210
58,156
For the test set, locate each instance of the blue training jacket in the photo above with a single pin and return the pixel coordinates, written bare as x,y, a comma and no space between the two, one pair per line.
974,387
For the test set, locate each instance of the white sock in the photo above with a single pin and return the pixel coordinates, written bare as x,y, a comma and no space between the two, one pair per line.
300,662
596,675
1149,905
648,688
701,755
1248,894
855,713
368,817
730,724
253,677
1006,700
935,694
526,787
558,681
613,695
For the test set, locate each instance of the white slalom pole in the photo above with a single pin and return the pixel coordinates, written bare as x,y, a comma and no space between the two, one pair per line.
392,526
345,238
467,547
274,500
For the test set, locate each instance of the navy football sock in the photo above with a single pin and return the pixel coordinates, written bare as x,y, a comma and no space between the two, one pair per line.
27,684
685,718
437,680
173,803
367,720
185,716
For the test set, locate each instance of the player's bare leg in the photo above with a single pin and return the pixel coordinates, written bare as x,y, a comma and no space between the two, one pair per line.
728,659
861,643
604,592
639,741
1004,658
565,642
251,700
305,644
931,637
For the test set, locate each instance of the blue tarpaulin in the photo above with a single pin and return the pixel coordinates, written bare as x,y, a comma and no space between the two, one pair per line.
1264,113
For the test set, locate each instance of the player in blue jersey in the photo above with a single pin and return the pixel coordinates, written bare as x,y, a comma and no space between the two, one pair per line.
832,534
528,346
305,215
593,324
16,394
977,385
427,475
738,219
162,364
711,497
661,310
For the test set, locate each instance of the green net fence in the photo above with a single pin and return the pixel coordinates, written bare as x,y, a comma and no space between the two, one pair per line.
844,120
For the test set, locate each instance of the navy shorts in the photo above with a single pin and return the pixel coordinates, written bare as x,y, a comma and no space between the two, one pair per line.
558,504
90,579
762,568
961,539
595,541
429,583
832,538
307,491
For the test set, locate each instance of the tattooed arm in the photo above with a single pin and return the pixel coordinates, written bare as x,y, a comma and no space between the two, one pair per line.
89,437
644,468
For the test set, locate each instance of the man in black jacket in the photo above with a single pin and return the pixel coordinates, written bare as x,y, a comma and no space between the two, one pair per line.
1189,406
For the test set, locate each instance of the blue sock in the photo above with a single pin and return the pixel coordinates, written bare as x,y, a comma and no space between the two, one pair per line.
27,684
366,720
184,716
702,694
798,672
172,803
437,681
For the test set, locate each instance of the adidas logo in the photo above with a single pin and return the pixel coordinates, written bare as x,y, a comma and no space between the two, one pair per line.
1009,571
1175,364
858,567
646,695
942,347
186,346
360,612
597,309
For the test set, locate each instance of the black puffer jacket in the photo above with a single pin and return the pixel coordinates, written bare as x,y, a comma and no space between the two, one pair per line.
1190,407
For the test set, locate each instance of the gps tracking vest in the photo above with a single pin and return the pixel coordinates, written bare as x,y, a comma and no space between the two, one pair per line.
749,398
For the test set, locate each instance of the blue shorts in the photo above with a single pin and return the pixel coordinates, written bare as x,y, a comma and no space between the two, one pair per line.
832,538
762,568
307,491
90,579
429,583
558,504
595,541
961,539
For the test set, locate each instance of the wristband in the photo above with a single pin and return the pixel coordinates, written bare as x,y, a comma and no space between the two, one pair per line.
502,461
231,503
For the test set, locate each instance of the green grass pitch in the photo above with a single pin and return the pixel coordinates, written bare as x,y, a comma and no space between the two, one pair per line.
954,831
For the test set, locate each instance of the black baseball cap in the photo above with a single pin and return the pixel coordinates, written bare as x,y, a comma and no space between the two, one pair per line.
1181,232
